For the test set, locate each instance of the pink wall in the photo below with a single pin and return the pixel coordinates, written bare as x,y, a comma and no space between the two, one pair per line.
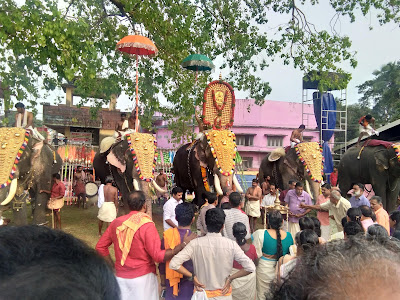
273,118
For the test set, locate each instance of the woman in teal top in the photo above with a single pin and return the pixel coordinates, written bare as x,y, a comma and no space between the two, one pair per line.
270,244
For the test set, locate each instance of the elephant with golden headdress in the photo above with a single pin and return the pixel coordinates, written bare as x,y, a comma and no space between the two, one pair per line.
302,163
131,162
207,164
26,164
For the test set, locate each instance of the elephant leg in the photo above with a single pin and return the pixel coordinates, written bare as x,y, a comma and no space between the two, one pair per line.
20,210
39,214
390,203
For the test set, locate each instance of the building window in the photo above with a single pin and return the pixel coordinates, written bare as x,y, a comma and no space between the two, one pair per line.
275,141
247,162
244,140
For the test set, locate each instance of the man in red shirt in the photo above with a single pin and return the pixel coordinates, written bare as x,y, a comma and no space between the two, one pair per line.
137,247
57,192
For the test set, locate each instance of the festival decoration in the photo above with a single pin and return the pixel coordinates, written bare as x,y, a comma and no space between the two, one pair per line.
223,148
135,45
204,176
219,105
143,148
310,154
396,148
197,62
13,142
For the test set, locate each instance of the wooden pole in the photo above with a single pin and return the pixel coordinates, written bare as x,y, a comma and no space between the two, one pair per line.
137,94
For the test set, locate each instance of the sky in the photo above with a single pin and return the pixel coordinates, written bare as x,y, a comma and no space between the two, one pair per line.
374,49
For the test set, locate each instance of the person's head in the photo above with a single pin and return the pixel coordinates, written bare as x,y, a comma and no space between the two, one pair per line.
51,264
299,188
302,127
358,189
56,177
211,198
123,116
177,193
267,178
137,201
368,117
292,184
352,228
184,214
109,179
344,269
161,172
272,188
20,107
239,232
306,240
215,219
335,170
306,223
235,199
275,221
254,182
367,212
354,214
376,231
79,168
317,226
335,197
394,220
326,189
376,203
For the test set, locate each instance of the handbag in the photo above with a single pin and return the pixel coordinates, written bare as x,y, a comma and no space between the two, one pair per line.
55,203
199,295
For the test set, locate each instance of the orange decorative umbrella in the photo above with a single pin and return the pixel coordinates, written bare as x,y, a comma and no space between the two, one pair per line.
137,45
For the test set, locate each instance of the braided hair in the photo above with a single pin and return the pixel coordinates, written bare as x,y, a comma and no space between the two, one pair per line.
275,222
239,232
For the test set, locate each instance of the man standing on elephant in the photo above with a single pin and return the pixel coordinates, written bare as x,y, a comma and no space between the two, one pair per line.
297,135
365,127
253,195
294,199
24,119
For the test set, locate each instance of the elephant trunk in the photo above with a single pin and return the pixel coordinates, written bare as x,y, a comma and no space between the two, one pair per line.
11,192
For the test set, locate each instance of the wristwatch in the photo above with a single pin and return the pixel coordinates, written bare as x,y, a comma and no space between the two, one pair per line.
191,277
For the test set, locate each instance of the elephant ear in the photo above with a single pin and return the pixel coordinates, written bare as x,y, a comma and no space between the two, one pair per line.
381,160
116,157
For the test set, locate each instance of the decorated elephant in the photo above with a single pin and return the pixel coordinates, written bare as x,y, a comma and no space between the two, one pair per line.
26,164
131,162
377,164
208,163
302,163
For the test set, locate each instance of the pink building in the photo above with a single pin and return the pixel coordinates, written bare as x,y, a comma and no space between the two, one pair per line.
260,129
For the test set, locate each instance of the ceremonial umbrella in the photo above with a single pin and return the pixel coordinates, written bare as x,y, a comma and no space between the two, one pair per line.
135,45
197,62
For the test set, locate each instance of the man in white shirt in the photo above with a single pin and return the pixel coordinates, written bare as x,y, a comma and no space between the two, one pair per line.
233,215
169,219
268,200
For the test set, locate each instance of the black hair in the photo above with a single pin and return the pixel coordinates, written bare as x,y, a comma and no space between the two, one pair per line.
235,199
215,219
327,186
239,232
176,190
109,179
368,117
360,185
367,212
306,223
19,105
302,126
52,264
136,200
376,231
255,180
123,114
275,222
184,213
307,239
292,181
352,228
226,205
344,221
299,184
395,217
211,197
317,226
354,214
57,176
377,198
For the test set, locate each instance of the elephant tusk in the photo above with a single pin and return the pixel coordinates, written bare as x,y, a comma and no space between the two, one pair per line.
217,185
11,193
136,185
237,184
157,187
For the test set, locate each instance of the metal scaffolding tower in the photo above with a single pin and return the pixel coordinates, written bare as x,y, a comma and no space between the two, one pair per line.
311,92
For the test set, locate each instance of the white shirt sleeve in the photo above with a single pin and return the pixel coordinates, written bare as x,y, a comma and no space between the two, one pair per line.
168,214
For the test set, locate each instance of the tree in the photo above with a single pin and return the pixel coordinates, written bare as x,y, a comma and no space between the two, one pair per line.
382,93
46,42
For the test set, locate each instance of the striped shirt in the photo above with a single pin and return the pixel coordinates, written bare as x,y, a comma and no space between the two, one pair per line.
232,216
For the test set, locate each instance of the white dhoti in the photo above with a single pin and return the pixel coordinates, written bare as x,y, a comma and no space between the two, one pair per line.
244,287
141,288
293,229
266,273
326,232
123,134
107,212
368,130
253,209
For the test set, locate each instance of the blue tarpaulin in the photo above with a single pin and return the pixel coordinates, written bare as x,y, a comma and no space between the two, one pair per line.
328,122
